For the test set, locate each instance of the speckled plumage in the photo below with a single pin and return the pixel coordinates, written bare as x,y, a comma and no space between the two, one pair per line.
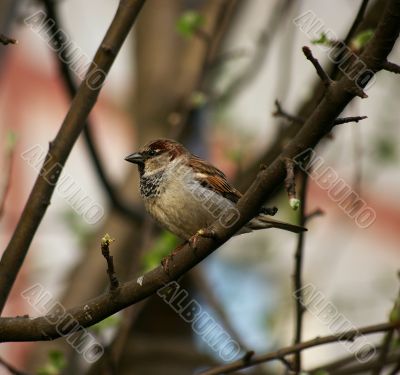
184,193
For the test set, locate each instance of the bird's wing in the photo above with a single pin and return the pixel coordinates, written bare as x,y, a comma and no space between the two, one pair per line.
213,178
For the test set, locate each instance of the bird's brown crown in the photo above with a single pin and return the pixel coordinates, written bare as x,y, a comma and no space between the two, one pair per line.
161,146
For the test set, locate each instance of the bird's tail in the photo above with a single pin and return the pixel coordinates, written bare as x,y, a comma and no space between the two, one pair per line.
264,221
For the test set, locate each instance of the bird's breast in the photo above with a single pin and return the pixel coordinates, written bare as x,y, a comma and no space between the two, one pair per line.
184,206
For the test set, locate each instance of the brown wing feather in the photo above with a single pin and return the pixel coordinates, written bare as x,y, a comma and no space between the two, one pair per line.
213,178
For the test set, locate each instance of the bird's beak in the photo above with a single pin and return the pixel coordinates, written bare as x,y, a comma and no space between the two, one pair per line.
136,158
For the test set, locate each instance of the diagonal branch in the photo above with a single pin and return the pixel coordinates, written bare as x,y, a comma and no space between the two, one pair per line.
350,335
61,146
124,208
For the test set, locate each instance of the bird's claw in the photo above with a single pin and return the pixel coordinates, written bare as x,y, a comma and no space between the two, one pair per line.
165,261
204,232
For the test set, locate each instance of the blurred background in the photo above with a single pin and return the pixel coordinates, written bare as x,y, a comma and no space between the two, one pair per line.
205,72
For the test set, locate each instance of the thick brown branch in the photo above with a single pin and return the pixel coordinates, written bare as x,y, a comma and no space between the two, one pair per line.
61,147
320,71
122,207
318,341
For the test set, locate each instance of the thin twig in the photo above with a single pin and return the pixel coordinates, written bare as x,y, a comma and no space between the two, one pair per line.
280,112
6,40
345,120
313,214
391,67
105,250
277,355
320,71
297,277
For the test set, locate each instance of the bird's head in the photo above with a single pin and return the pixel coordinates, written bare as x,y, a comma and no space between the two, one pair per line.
156,155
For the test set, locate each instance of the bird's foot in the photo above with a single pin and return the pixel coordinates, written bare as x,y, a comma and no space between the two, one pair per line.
167,259
204,232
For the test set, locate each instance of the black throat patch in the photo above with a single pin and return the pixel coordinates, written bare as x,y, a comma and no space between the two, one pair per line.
150,185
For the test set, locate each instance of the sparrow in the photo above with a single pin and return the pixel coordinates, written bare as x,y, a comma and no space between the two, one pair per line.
185,194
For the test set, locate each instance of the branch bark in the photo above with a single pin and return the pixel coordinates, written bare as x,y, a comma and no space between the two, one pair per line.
61,147
281,353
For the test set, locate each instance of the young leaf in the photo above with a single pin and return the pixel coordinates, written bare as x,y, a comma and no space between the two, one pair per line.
189,22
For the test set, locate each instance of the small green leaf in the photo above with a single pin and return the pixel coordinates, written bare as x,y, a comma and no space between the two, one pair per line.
323,39
294,203
189,22
361,39
55,363
163,246
109,322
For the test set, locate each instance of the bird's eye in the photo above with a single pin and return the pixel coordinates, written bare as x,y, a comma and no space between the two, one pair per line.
152,152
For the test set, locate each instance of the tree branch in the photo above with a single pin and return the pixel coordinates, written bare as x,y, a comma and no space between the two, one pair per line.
297,277
62,57
320,70
61,146
315,128
318,341
391,67
280,112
